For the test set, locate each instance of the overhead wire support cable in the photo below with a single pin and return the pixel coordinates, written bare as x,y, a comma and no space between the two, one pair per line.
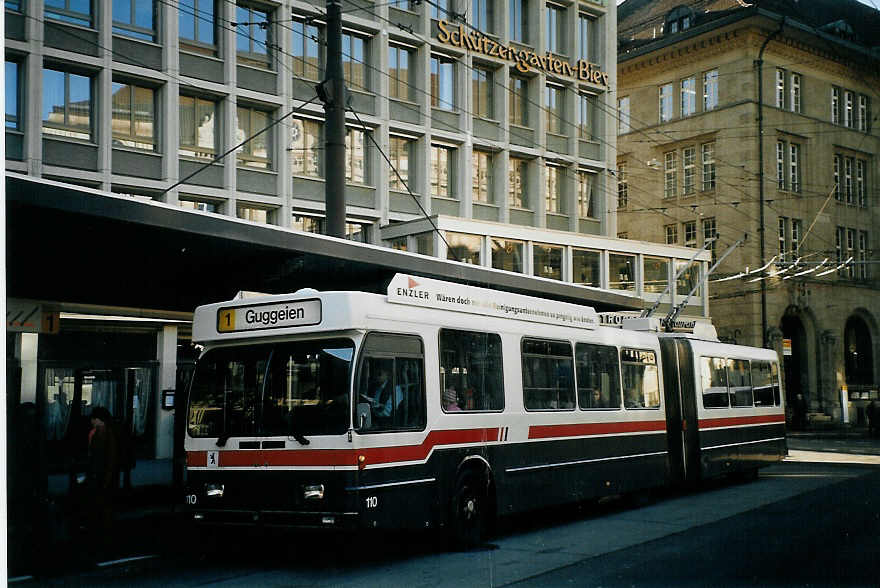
674,312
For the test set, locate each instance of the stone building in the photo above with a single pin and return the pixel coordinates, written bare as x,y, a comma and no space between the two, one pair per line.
759,121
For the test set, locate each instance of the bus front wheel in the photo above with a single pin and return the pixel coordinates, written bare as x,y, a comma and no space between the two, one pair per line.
469,511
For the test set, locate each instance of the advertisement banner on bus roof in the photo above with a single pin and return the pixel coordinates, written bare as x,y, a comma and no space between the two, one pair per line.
428,293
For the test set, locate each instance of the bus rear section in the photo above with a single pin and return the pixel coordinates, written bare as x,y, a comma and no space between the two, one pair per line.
268,434
731,405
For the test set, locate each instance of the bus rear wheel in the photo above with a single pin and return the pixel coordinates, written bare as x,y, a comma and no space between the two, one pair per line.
469,516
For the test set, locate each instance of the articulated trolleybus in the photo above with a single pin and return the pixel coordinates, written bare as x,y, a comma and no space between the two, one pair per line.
441,405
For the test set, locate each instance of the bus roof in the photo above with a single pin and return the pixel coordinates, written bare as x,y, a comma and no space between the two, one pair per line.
309,310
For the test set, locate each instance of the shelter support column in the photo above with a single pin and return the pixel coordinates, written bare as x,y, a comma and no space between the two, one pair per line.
26,346
166,354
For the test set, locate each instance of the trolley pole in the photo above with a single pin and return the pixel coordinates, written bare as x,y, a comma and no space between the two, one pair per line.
332,93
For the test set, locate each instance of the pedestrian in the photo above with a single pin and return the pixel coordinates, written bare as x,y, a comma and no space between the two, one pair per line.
800,412
102,476
871,413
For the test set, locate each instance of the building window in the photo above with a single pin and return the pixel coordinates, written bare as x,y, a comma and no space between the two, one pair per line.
788,166
483,15
252,36
67,104
861,193
73,11
519,101
442,82
399,72
307,38
586,207
305,148
780,88
848,179
307,224
554,100
863,113
794,167
440,9
196,26
403,4
795,91
400,150
622,186
555,34
585,267
838,188
519,25
13,93
848,119
796,232
671,234
481,79
835,105
585,36
780,235
621,271
624,123
356,156
547,261
201,205
442,163
850,252
656,274
507,255
255,215
710,235
665,102
359,232
198,128
585,116
690,234
256,151
482,174
688,96
670,174
838,248
135,18
708,157
464,247
689,169
863,255
355,61
689,278
517,197
710,90
553,190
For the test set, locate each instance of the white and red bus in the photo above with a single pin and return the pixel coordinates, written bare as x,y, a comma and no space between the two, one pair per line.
441,405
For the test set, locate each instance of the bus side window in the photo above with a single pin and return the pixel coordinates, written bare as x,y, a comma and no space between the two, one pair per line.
471,375
548,375
641,380
762,382
739,380
390,384
713,376
598,380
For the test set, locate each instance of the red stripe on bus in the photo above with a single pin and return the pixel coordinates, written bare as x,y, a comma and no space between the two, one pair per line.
345,457
744,420
585,429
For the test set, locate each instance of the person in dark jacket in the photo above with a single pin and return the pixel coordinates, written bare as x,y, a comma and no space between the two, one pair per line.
102,474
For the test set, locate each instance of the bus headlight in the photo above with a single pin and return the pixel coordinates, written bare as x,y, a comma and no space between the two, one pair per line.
214,490
313,492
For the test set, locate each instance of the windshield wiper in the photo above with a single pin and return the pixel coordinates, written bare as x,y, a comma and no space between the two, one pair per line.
222,439
298,436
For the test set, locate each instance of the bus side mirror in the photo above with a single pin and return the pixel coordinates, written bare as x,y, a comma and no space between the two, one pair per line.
364,418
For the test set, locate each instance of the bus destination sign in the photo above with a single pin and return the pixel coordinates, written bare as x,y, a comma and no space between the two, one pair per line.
301,313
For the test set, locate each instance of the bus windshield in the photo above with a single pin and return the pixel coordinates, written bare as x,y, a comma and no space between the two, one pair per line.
288,388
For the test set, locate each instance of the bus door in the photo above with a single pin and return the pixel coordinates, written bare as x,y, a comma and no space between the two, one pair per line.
690,422
390,420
